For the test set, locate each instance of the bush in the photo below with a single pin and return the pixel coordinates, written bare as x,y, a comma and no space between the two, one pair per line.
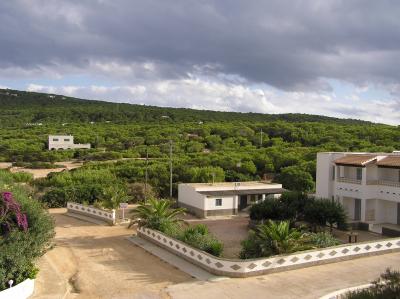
199,237
385,287
55,198
323,239
19,249
22,177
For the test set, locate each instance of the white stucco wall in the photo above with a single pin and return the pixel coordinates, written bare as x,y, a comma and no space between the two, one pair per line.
188,195
325,183
387,211
228,202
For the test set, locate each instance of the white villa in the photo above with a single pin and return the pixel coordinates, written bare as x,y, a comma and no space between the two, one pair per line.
212,199
64,142
367,184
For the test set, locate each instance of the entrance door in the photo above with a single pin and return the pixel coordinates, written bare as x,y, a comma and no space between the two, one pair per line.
398,213
242,202
357,209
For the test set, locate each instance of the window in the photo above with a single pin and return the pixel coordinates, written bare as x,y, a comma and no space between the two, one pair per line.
66,140
218,202
359,174
55,139
333,173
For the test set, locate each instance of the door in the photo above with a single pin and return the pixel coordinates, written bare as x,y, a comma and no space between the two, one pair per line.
357,209
242,202
398,213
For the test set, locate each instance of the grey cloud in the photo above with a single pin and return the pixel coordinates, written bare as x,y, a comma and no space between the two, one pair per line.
289,44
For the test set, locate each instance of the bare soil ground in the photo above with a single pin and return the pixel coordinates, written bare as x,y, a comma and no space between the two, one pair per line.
41,173
230,231
91,261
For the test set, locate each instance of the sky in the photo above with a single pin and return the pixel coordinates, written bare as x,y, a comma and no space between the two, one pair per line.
330,57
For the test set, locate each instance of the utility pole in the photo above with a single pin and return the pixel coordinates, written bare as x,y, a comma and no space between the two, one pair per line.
146,175
261,137
170,169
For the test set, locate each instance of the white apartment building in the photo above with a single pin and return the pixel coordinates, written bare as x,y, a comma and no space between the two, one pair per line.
56,142
367,184
213,199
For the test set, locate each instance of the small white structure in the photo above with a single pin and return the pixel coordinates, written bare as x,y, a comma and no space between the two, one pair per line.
212,199
367,185
64,142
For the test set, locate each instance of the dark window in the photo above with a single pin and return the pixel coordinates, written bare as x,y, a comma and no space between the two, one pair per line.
359,174
333,172
66,140
218,202
55,139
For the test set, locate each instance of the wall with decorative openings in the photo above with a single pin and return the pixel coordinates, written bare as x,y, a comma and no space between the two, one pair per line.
252,267
107,216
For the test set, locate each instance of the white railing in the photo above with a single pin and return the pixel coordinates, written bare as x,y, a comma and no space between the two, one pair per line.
348,180
252,267
108,216
384,183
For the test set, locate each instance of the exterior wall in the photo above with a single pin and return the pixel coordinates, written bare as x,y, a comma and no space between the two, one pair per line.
64,142
191,200
348,204
387,212
253,267
324,184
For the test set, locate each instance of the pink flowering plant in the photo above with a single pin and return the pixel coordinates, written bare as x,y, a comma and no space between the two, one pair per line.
11,217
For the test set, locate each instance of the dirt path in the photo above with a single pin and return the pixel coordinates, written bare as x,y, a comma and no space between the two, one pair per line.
91,261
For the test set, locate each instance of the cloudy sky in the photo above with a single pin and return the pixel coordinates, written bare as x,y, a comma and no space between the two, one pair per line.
332,57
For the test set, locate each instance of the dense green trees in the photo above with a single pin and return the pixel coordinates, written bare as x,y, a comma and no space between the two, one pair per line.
207,145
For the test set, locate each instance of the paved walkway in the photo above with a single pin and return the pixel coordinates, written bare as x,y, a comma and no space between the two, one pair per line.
307,283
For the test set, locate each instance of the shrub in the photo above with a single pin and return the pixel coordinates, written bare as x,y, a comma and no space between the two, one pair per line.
199,237
323,239
56,198
385,287
20,248
22,177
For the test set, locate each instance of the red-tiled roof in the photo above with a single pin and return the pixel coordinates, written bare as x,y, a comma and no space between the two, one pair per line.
389,161
357,160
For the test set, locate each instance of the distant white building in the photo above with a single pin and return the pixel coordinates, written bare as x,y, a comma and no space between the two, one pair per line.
213,199
64,142
367,184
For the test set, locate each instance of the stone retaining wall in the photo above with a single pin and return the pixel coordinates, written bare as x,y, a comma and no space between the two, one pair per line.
103,215
253,267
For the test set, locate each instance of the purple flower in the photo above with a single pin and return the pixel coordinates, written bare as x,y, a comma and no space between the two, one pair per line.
11,216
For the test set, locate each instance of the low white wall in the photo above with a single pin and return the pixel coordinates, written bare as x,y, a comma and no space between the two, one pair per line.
108,216
252,267
20,291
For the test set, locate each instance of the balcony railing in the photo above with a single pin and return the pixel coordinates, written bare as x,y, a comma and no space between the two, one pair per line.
348,180
383,183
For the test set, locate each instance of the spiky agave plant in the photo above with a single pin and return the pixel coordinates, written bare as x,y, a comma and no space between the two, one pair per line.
156,214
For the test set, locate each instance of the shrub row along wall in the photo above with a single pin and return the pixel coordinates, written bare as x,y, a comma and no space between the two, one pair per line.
252,267
99,214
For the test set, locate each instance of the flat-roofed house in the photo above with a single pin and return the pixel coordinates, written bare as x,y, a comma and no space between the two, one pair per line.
366,184
213,199
56,142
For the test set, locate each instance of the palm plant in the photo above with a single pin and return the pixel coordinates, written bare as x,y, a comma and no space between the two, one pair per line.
279,238
156,214
112,197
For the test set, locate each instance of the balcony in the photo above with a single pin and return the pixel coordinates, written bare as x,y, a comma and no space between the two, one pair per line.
384,183
348,180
